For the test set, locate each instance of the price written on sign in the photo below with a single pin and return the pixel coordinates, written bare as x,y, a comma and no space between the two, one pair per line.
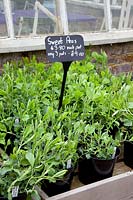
65,48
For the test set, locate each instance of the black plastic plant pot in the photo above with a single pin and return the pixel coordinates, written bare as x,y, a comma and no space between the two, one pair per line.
22,196
59,186
128,153
104,168
3,198
86,173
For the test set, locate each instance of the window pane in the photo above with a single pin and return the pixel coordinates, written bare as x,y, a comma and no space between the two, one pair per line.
122,14
88,15
24,17
85,15
3,28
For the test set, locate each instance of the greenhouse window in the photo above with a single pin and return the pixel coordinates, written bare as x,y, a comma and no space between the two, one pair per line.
25,24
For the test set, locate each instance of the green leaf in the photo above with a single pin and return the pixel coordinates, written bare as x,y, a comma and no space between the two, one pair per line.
25,117
2,138
8,142
128,122
17,171
3,93
30,157
106,81
4,170
35,195
60,174
24,162
28,130
2,182
2,127
130,105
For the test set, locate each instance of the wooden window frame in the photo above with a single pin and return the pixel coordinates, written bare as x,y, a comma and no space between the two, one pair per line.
34,43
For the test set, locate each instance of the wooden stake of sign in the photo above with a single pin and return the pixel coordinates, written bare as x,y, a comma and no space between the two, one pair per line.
64,49
66,66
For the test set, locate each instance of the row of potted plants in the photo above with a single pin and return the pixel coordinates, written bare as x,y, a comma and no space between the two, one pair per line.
40,146
37,157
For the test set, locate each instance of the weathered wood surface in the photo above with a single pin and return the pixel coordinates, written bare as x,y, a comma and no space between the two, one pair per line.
118,187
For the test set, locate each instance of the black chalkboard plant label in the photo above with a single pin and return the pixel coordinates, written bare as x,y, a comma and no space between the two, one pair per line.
64,49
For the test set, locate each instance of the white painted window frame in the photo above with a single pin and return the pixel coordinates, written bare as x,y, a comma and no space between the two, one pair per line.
32,43
8,17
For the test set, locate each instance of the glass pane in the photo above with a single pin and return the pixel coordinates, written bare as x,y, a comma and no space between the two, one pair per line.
122,14
3,27
24,17
85,15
